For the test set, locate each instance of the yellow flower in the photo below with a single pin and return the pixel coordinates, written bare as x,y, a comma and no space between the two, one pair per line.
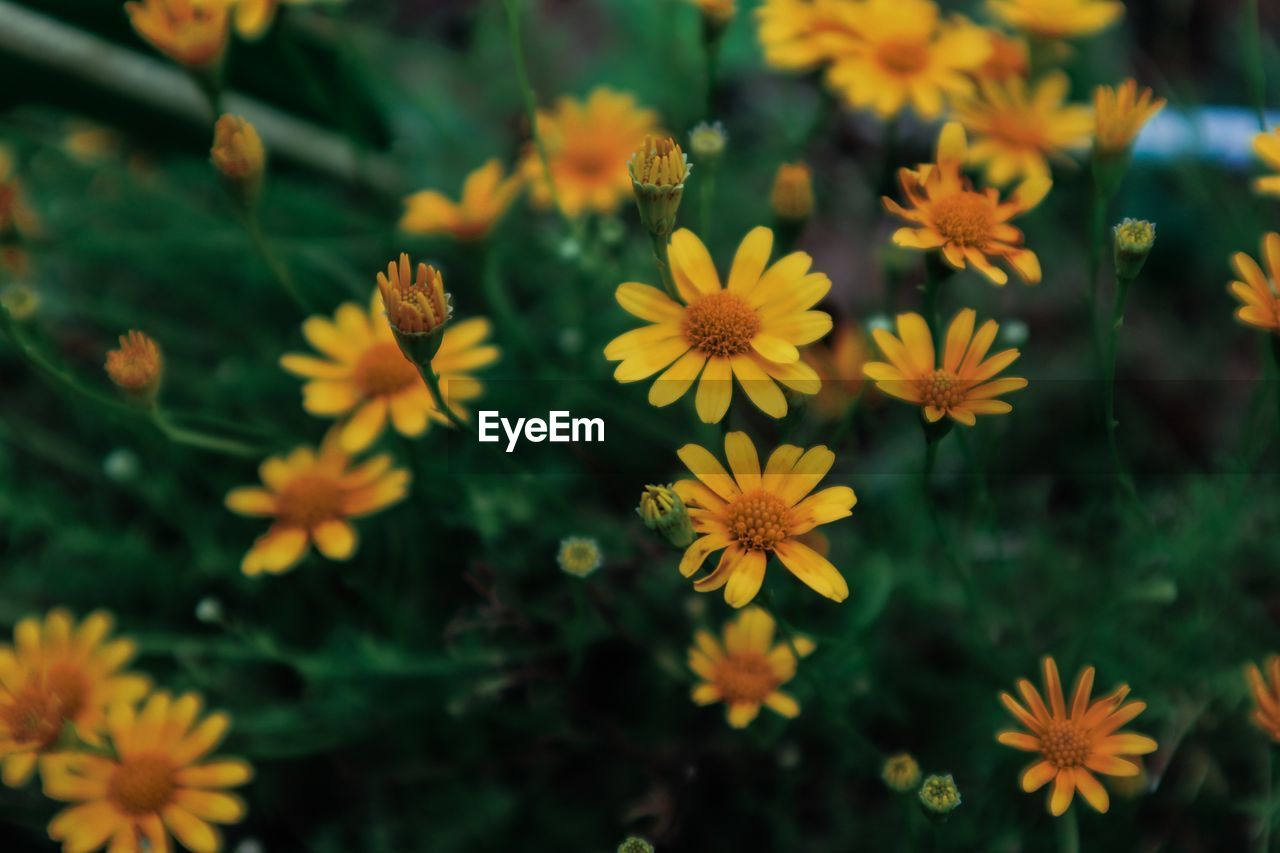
747,668
588,144
414,305
1267,147
899,52
748,329
190,32
486,197
20,300
1019,129
158,782
89,143
1076,742
238,154
1119,115
963,387
311,495
658,170
579,555
750,515
792,194
938,794
792,32
364,377
254,17
1260,305
59,673
901,772
969,227
1266,696
137,366
1009,57
718,12
838,362
1057,19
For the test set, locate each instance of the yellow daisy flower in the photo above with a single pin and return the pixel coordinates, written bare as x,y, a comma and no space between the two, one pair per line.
1009,57
963,387
1074,743
192,33
311,497
159,782
1057,19
58,673
751,514
1260,304
364,377
1120,113
1019,129
903,52
968,227
747,668
1267,147
588,144
1266,696
792,32
748,329
486,196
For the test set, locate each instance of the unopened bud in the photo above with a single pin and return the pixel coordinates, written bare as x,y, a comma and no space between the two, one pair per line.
1134,239
939,795
664,511
901,772
136,367
658,171
238,156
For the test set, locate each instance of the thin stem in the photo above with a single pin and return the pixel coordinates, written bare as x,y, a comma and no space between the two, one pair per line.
931,282
711,33
1257,74
1113,342
433,385
530,100
707,196
1068,833
199,439
277,269
664,265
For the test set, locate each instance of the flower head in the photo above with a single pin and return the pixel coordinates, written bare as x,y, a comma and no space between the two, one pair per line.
1019,127
963,386
486,197
579,555
1057,19
1009,57
967,226
749,328
588,144
792,195
891,53
1266,696
58,673
311,497
658,170
717,12
1133,240
414,306
939,794
662,510
20,300
838,362
635,844
160,781
1120,113
901,772
708,141
1074,742
793,33
746,667
254,17
190,32
752,514
1267,147
137,366
1260,302
238,155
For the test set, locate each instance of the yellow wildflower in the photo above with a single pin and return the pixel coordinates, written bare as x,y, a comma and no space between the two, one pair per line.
486,197
1057,19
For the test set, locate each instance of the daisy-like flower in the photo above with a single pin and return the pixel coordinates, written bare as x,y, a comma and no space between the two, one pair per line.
745,670
58,673
751,514
899,52
1266,696
748,329
1076,742
312,497
1120,113
1057,19
1259,301
1019,129
588,144
968,227
192,33
364,377
137,366
1009,57
963,387
792,32
486,197
1267,147
159,782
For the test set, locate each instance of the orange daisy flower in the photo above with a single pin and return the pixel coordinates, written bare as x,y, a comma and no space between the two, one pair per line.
792,33
1058,19
1259,302
1266,696
193,33
486,196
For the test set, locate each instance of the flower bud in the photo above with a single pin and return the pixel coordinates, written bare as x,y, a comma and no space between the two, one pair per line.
792,196
658,171
417,309
579,555
238,156
1134,239
664,511
901,772
20,301
136,367
635,844
708,141
939,796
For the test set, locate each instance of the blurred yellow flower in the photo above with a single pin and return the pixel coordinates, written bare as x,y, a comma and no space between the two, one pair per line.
58,673
89,143
792,195
192,33
238,155
158,782
20,300
838,362
16,214
963,387
1260,304
968,227
1266,696
137,366
1076,742
901,772
254,17
364,377
792,32
1120,113
311,497
486,197
588,144
1009,57
579,555
751,515
1057,19
1267,147
747,668
1019,129
749,329
718,12
892,53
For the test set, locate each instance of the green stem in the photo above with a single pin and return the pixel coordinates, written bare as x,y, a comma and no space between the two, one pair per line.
277,269
530,100
664,265
1257,74
433,385
706,197
198,439
1109,391
1068,833
932,279
711,36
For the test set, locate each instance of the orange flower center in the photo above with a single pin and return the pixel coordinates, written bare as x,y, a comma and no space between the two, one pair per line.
720,324
383,370
965,218
745,677
1065,744
33,718
759,520
67,684
309,500
591,164
903,57
1018,131
942,389
142,785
